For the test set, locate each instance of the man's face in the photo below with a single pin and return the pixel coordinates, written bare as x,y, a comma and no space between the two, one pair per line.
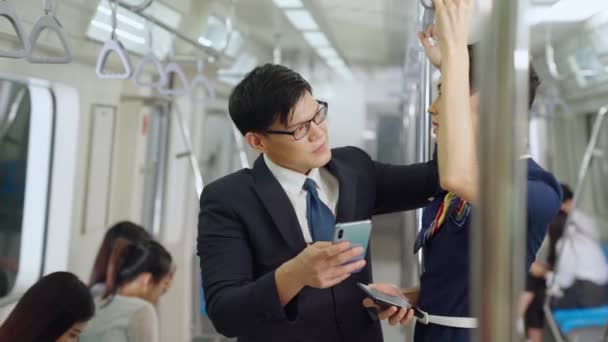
311,151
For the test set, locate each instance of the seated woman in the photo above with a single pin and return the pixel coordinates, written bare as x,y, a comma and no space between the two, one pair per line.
581,273
56,308
138,275
124,230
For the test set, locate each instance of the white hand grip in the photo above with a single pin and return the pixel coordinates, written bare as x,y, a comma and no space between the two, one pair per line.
7,11
179,72
149,58
201,81
428,4
49,22
110,46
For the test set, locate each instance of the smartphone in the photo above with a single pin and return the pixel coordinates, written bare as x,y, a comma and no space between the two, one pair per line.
357,233
384,300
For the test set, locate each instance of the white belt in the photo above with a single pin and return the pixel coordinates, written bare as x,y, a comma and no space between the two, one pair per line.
448,321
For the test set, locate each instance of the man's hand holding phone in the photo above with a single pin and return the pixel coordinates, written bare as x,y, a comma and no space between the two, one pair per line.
395,315
322,264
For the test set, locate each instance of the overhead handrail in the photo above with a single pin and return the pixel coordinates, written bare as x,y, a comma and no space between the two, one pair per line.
550,56
200,80
137,8
229,26
113,45
8,11
176,69
149,58
208,50
49,21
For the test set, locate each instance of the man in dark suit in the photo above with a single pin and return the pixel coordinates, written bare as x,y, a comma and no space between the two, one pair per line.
269,269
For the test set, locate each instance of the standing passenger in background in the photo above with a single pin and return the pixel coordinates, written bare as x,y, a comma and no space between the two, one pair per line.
121,231
55,309
143,272
269,269
446,222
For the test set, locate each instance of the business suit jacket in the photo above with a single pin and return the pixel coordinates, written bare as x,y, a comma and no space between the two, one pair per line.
247,228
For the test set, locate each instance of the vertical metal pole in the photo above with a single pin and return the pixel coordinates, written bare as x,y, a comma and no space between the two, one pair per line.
498,238
423,136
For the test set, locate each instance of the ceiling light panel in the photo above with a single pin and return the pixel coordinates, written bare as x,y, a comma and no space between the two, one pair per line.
327,52
316,39
302,20
288,3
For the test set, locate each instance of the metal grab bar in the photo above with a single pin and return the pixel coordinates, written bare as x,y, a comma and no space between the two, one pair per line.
149,58
176,69
113,45
8,11
229,26
173,31
498,231
550,56
49,21
197,176
200,80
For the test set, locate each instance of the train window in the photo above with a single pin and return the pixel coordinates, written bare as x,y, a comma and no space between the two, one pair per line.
14,136
587,67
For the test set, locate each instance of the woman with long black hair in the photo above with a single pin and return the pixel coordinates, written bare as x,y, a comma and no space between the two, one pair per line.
137,276
56,308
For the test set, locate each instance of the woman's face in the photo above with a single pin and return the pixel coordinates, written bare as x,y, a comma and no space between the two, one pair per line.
157,290
435,112
72,334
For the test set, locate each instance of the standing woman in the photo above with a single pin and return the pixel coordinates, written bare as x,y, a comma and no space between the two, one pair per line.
139,275
56,308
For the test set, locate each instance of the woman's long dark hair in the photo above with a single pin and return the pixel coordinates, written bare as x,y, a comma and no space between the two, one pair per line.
48,309
129,260
125,230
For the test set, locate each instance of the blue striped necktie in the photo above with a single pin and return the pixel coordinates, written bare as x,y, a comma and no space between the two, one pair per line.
320,218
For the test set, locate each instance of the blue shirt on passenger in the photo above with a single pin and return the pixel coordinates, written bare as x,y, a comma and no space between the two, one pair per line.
444,284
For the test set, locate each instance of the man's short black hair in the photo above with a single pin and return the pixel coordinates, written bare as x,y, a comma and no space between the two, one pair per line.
567,192
532,77
268,92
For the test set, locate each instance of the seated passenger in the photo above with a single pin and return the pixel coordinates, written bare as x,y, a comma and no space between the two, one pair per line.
533,299
56,308
446,222
124,230
139,274
581,273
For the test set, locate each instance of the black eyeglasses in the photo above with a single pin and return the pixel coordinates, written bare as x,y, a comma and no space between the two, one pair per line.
303,129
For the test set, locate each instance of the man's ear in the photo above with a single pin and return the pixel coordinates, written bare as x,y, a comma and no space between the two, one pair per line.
256,141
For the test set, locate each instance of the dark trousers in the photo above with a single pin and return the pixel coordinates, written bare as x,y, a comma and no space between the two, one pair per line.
582,294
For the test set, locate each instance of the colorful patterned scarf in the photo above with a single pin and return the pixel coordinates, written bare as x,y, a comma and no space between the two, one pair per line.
451,204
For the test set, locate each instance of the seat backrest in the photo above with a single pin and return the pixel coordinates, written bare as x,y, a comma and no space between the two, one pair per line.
605,249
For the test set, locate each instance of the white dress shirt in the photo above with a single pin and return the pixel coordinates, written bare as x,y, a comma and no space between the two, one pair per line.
581,254
292,182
